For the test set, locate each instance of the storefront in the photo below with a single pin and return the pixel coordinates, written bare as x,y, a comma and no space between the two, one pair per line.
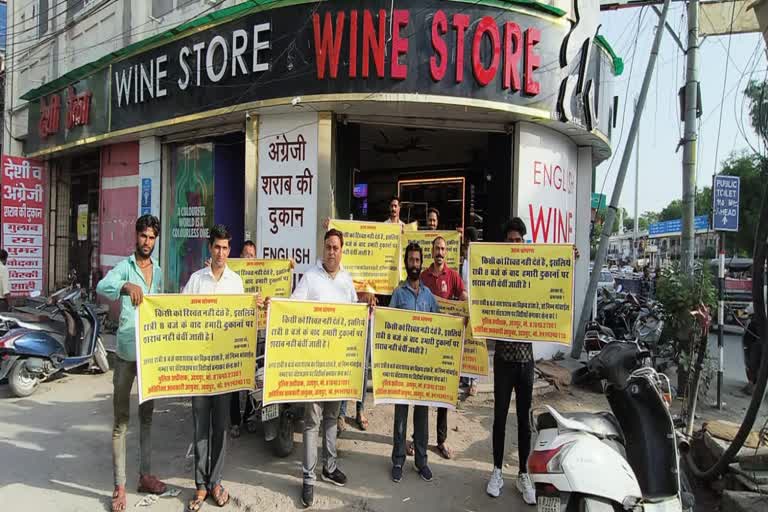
271,118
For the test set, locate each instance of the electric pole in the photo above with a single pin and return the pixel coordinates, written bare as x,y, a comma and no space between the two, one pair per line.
637,187
690,136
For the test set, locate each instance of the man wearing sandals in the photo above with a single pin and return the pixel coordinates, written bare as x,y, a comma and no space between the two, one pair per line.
211,413
128,281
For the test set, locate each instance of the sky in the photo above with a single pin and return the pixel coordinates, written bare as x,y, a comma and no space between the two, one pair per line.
660,129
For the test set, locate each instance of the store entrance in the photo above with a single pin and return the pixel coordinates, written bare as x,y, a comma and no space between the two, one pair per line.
83,222
464,175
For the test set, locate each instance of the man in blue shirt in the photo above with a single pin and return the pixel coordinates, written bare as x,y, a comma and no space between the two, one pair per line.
413,295
129,281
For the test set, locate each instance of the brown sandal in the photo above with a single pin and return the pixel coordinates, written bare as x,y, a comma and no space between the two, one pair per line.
118,499
409,448
197,503
220,495
362,422
445,451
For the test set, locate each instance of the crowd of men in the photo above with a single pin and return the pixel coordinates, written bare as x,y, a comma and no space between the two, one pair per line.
218,417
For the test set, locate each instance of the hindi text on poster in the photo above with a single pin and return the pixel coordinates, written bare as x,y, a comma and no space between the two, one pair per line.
371,254
474,357
315,351
270,278
416,357
521,292
191,345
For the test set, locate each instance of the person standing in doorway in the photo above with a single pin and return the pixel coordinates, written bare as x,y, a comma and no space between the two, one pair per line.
446,283
5,282
394,212
325,282
129,281
433,218
512,371
235,417
412,295
210,413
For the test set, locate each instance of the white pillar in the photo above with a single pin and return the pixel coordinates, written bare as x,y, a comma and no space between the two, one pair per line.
583,219
150,167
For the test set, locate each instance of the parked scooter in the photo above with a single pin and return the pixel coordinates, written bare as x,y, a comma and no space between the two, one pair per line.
35,347
627,460
277,420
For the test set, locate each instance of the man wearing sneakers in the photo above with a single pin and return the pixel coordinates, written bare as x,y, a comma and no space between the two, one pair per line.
325,282
512,371
412,295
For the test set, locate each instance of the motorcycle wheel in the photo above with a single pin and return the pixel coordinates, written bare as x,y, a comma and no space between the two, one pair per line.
21,381
100,357
282,445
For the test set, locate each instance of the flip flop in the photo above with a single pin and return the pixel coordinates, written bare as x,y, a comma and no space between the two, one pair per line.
445,451
362,422
220,495
196,504
409,449
118,500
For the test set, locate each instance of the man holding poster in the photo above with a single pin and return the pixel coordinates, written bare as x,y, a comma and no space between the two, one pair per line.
412,295
325,282
211,413
129,281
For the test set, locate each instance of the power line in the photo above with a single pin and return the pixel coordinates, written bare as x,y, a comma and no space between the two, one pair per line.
725,81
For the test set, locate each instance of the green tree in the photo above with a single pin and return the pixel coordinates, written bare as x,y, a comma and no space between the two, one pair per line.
749,169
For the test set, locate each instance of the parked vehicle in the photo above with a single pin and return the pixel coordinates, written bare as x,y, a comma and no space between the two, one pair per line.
35,347
278,420
606,280
624,460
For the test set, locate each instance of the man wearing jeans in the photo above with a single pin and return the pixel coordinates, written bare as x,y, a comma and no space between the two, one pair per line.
128,281
325,282
512,371
412,295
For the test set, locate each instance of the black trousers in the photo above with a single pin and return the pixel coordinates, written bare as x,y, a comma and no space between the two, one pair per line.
235,417
508,377
210,417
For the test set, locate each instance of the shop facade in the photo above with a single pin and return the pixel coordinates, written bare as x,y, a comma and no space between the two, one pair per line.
271,118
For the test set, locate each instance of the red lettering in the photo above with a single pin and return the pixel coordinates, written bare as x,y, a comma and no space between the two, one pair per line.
512,38
373,43
539,224
537,172
532,61
460,23
561,235
399,44
327,43
353,43
488,26
439,27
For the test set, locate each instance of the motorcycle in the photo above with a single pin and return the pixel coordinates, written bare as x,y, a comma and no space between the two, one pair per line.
33,348
624,460
277,420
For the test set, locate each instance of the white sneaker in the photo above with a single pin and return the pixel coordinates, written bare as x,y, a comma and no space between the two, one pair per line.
495,483
525,486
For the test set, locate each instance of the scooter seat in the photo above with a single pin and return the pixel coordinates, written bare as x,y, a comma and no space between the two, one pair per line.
34,322
603,424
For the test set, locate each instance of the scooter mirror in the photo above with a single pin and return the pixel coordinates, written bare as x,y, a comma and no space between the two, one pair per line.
34,294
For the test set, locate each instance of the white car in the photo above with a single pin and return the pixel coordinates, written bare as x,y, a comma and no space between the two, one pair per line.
606,280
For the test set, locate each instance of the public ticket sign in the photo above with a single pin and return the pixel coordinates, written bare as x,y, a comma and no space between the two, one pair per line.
23,217
725,203
521,292
416,357
315,351
371,254
192,345
474,357
425,239
270,278
288,188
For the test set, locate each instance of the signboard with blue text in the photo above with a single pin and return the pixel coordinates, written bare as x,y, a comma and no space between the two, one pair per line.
725,203
146,196
675,227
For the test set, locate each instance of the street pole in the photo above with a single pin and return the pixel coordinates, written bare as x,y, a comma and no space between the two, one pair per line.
721,320
689,139
610,216
637,187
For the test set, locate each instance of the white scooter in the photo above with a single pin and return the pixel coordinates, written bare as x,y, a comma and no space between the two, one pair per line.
603,462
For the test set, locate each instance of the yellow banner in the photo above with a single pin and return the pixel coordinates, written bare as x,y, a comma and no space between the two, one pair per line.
191,345
270,278
411,226
521,292
474,358
416,357
315,351
371,254
425,239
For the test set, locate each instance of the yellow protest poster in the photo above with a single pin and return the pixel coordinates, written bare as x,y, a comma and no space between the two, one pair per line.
411,226
191,345
425,239
315,352
371,254
474,358
416,357
521,292
270,278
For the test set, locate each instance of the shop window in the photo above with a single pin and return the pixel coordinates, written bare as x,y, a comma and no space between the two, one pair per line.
161,7
42,18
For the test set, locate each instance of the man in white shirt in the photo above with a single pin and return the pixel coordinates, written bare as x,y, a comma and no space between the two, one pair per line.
211,413
325,282
394,212
5,282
